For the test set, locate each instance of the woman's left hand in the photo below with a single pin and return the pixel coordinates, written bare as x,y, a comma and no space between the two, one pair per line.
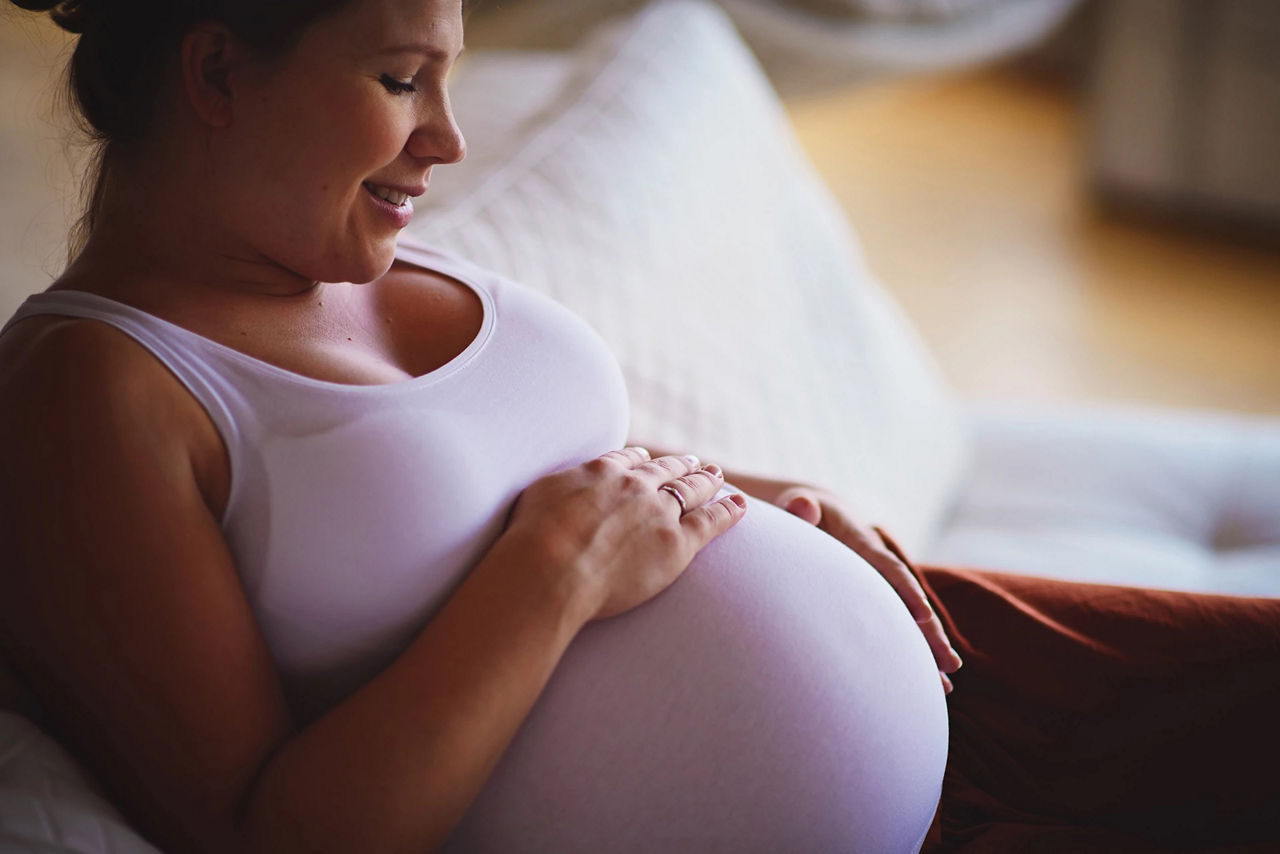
825,510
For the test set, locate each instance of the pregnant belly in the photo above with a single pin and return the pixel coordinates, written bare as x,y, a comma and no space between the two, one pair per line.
778,697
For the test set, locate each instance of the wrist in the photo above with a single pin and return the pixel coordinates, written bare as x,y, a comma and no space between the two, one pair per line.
545,577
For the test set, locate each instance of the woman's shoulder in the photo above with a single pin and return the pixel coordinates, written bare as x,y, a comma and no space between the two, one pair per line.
67,381
58,336
41,355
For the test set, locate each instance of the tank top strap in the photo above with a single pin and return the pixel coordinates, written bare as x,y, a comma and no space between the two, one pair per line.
198,363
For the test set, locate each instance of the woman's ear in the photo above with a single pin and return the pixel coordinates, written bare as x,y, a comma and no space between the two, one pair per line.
209,54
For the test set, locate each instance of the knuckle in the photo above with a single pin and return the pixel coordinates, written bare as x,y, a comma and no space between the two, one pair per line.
685,481
719,515
695,481
663,464
702,523
633,483
600,465
668,537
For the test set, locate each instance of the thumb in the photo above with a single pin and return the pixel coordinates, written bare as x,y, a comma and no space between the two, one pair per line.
801,502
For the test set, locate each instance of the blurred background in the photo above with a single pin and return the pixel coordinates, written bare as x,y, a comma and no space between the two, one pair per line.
1072,199
1095,218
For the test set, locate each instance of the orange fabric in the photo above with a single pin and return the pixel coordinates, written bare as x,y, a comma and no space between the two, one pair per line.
1090,717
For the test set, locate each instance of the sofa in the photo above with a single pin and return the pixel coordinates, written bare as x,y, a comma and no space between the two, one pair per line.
809,46
648,179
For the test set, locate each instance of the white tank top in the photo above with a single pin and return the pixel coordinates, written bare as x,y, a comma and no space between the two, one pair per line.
355,510
777,697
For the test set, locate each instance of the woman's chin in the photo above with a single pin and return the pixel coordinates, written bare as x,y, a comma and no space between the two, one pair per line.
359,268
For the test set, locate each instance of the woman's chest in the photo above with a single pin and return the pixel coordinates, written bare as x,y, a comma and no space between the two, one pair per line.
406,324
355,513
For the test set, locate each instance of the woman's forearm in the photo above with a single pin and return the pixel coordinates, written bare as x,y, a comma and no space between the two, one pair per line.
396,765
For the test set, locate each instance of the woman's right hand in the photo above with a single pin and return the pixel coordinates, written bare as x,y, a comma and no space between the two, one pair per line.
609,528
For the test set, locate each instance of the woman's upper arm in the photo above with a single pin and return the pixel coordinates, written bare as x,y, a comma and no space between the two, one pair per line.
119,602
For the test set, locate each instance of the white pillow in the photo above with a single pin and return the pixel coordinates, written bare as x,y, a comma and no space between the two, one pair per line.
650,181
49,805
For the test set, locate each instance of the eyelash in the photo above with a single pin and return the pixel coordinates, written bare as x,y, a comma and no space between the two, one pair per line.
396,87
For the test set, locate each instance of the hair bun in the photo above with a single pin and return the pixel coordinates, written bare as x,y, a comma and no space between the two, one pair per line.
72,15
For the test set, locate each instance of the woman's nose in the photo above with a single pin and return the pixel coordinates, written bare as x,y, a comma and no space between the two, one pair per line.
438,138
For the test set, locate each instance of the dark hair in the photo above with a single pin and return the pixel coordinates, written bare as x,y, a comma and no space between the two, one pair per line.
122,59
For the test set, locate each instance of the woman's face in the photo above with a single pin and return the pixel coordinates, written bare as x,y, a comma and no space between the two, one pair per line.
328,143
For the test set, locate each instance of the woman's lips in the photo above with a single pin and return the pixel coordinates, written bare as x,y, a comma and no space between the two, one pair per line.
390,194
400,210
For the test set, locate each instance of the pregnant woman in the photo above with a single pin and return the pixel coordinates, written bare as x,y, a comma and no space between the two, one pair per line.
319,542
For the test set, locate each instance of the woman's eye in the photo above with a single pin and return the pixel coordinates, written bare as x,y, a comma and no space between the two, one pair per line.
397,87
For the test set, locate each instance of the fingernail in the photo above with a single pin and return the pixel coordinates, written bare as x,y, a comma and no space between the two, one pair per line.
644,452
956,656
712,469
691,460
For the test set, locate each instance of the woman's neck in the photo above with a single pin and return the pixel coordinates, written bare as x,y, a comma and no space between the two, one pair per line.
156,238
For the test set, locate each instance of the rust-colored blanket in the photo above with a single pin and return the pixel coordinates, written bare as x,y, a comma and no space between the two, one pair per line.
1090,717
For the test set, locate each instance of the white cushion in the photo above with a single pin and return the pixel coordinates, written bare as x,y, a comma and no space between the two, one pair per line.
48,805
1174,499
807,52
811,45
649,180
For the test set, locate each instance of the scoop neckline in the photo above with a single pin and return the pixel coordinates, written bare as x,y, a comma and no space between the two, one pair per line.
431,377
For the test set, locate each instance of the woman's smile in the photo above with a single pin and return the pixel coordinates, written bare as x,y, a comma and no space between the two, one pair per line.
386,193
397,205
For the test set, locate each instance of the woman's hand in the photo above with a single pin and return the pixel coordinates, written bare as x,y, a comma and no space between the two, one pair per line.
622,527
825,510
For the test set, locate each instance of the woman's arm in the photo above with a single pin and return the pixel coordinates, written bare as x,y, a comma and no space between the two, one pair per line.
396,765
407,754
118,604
121,607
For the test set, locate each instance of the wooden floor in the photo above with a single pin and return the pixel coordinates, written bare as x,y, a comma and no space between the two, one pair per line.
969,195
